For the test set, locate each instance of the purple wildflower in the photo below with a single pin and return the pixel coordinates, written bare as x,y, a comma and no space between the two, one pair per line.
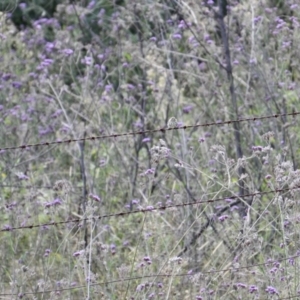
223,218
108,88
91,4
22,5
234,207
46,62
78,253
228,200
187,109
113,249
67,52
55,202
271,290
150,171
17,84
241,285
257,19
177,36
7,227
149,208
148,260
291,261
6,76
130,86
95,197
22,176
56,114
146,140
253,289
45,131
87,60
140,287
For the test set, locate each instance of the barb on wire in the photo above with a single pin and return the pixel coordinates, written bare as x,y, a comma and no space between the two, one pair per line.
133,133
143,210
189,274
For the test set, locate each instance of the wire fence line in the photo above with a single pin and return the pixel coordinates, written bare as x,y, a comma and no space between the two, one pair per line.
189,274
8,228
134,133
47,187
149,208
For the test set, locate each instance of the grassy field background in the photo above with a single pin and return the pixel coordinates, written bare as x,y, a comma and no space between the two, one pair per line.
163,211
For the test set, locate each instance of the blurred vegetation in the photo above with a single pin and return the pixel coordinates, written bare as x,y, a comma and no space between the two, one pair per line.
71,70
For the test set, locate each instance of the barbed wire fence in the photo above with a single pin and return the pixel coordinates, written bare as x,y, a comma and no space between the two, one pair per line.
141,132
189,274
148,209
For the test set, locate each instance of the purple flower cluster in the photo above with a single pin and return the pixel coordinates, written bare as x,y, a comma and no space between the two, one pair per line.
55,202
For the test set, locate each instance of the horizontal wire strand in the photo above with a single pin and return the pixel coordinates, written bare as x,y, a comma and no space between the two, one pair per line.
144,210
133,133
232,269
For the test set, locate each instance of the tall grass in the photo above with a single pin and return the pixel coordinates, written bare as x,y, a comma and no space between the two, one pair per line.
102,68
